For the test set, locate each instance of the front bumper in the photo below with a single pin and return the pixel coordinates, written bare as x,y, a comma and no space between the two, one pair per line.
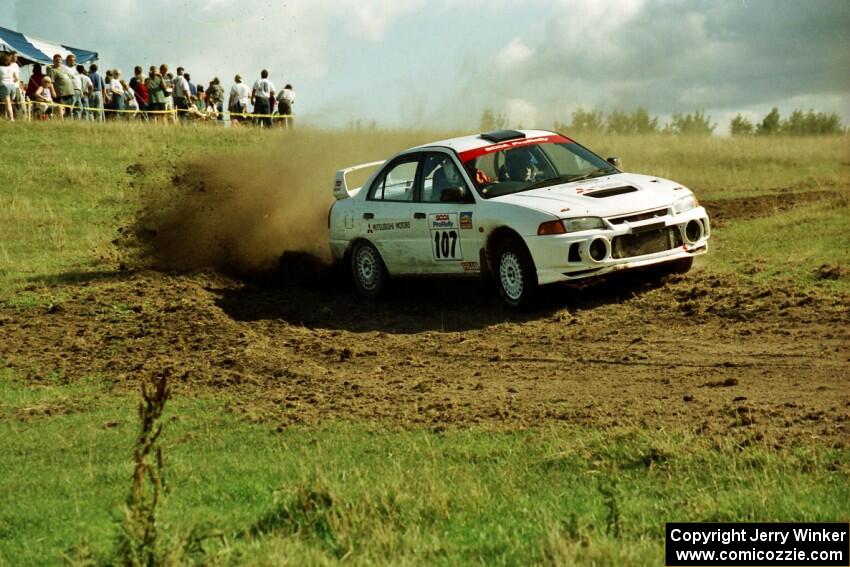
621,245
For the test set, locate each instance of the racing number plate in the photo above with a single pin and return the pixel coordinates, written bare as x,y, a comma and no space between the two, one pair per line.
445,237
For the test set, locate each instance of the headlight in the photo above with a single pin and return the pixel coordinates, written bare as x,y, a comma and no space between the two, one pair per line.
583,223
685,204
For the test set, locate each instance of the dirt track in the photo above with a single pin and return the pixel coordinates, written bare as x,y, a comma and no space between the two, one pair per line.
701,352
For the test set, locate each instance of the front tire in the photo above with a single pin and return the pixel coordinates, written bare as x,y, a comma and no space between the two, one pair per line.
368,270
515,275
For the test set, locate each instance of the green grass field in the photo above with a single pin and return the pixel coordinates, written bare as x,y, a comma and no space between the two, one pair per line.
362,493
359,492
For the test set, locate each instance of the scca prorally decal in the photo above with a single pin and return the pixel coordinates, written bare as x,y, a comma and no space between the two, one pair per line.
470,154
443,220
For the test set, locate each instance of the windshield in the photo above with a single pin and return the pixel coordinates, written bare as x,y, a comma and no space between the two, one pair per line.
526,164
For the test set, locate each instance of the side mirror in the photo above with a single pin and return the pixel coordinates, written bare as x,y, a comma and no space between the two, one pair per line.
453,195
615,161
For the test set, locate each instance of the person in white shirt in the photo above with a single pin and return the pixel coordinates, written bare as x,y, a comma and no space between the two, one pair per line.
71,68
116,95
285,101
261,96
8,82
130,102
240,96
20,89
182,95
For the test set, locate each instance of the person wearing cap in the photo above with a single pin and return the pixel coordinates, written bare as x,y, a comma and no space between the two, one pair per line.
240,96
44,97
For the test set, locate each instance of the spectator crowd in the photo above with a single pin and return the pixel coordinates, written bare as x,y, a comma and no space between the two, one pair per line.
68,91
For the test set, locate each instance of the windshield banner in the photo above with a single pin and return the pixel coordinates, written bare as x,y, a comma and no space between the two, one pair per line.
511,144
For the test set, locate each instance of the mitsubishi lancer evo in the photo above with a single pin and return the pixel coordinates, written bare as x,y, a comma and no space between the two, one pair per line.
528,207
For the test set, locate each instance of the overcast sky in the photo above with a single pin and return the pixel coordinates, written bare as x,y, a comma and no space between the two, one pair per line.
442,62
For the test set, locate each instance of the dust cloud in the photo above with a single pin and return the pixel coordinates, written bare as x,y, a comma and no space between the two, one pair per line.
241,212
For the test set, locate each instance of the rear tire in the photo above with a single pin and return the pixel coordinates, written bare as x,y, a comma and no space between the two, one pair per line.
368,270
515,275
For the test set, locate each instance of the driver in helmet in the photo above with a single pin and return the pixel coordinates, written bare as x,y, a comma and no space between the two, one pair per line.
519,165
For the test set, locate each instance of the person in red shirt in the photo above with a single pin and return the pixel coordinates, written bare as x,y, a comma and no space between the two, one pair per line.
34,84
137,83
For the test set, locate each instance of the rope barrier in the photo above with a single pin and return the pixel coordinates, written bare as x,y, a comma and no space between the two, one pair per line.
138,111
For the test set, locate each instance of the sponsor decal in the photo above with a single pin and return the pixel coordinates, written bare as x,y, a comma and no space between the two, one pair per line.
466,220
369,229
553,139
400,225
444,220
469,266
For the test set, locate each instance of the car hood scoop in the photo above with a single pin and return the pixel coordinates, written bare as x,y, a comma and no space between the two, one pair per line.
610,192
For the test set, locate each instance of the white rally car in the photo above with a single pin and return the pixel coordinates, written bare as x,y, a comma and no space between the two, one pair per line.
529,207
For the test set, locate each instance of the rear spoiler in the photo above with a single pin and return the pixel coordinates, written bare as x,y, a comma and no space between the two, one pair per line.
340,185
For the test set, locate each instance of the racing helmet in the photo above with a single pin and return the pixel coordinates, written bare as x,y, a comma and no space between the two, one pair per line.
519,164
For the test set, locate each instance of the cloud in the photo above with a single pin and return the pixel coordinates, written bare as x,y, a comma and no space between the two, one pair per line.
370,19
676,56
514,54
442,62
521,112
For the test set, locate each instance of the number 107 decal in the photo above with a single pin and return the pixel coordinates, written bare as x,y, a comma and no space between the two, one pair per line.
446,245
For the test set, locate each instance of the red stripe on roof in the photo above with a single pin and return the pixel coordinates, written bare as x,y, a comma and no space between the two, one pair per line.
510,144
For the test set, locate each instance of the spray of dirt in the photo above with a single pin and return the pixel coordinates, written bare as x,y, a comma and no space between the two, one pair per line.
242,212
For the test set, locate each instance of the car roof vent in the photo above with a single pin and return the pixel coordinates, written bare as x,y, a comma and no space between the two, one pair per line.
502,135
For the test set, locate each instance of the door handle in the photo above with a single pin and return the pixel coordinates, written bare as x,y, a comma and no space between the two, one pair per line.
368,215
419,215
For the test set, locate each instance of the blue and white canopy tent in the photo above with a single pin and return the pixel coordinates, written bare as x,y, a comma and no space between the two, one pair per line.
34,50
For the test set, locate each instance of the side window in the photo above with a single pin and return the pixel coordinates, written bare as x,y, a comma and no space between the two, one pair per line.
397,183
439,172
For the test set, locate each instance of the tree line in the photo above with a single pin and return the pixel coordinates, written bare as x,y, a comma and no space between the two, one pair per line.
696,123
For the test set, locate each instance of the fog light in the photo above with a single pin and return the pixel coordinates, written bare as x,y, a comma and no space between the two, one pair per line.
598,249
693,231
